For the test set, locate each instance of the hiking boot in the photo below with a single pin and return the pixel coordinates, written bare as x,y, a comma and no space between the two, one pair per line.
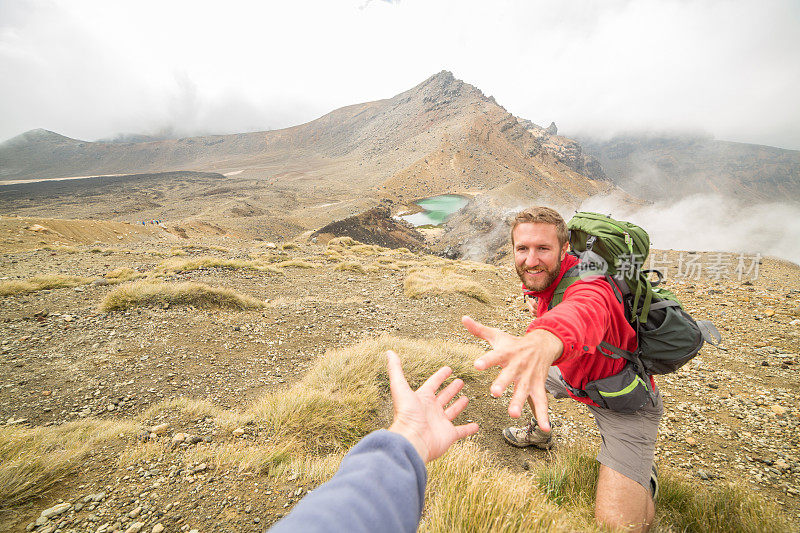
654,482
530,435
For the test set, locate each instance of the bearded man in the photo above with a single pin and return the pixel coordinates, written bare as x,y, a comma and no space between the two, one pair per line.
560,354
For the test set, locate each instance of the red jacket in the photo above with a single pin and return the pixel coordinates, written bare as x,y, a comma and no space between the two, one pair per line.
589,314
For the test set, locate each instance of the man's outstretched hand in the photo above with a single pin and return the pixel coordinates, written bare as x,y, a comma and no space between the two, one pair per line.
524,360
421,417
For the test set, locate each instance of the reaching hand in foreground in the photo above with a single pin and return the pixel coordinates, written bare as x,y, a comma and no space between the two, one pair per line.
421,416
524,360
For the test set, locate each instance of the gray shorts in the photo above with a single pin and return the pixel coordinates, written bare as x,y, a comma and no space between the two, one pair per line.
629,440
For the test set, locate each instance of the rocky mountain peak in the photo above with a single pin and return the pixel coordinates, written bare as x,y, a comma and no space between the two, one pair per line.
443,87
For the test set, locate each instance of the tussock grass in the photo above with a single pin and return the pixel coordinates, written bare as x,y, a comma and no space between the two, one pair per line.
342,242
339,399
571,479
123,274
142,293
682,506
442,281
190,408
295,263
368,249
288,246
466,492
266,459
106,251
178,252
275,460
62,249
40,283
409,264
351,266
197,263
34,460
332,256
474,266
141,451
570,482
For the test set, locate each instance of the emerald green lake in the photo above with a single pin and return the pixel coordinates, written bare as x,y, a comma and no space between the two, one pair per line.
436,209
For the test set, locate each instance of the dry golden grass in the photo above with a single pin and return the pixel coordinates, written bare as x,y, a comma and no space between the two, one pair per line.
466,492
333,256
570,481
142,293
197,263
189,408
409,264
61,248
34,460
682,506
339,399
367,249
351,266
123,274
141,451
106,251
294,263
342,242
288,246
40,283
474,266
440,281
265,459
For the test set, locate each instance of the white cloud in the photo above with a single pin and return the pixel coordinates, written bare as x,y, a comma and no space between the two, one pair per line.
711,222
91,69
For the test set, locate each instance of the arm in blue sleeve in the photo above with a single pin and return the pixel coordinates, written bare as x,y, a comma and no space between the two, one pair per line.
380,486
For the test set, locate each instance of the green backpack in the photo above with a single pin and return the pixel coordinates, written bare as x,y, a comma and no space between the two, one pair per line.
668,337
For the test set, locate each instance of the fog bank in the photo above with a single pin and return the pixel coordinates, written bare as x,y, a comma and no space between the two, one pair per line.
712,222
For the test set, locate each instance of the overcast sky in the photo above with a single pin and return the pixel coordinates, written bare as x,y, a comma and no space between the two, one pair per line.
92,69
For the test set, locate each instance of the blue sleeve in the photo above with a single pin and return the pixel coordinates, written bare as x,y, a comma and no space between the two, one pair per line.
380,486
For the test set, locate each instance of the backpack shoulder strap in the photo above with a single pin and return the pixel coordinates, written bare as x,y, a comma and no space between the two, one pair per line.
574,274
570,276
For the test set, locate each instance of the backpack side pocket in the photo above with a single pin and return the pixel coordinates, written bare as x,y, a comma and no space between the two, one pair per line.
624,392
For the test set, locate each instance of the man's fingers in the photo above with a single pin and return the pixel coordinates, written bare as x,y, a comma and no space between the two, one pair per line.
539,396
479,330
466,430
518,399
503,380
449,392
397,380
454,410
490,359
433,383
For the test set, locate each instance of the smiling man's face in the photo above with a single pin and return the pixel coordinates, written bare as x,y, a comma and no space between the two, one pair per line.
537,254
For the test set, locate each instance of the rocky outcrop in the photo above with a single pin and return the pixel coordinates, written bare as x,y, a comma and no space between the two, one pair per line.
565,150
375,226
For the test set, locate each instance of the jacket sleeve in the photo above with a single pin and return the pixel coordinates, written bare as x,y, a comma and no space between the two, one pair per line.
380,486
581,320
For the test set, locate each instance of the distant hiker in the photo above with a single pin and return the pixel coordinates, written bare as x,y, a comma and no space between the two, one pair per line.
560,353
380,485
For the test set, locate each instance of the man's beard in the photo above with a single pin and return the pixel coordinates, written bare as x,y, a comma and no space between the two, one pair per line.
540,284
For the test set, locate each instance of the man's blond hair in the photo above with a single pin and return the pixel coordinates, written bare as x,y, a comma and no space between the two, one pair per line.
541,215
